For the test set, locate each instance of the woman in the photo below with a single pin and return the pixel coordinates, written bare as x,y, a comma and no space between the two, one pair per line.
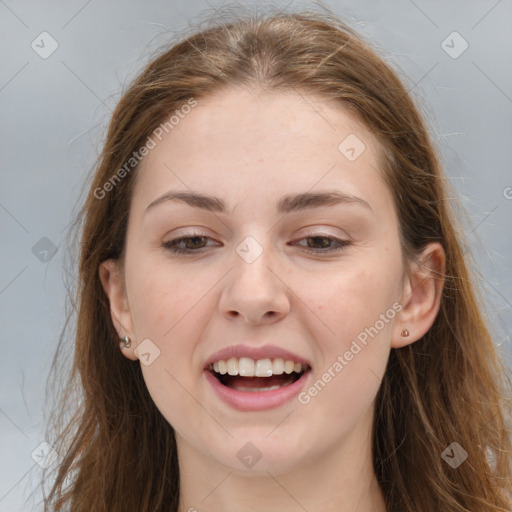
274,310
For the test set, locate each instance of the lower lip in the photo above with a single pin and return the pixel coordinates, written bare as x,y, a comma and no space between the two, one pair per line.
256,400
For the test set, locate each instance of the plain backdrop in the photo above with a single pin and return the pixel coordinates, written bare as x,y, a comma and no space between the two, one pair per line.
63,66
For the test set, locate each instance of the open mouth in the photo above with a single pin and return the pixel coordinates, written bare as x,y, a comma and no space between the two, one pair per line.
248,375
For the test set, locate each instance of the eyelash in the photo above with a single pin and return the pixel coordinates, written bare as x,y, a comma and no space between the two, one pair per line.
340,244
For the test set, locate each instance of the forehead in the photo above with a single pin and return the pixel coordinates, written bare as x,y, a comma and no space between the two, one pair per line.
238,142
239,118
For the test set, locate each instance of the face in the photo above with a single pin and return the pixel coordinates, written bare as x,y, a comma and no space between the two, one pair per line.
267,278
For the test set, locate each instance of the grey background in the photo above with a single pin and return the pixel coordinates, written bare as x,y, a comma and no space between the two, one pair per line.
53,116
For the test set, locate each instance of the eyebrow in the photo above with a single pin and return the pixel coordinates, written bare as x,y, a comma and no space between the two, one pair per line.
287,204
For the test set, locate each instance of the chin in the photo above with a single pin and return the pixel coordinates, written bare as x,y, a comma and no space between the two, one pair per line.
257,456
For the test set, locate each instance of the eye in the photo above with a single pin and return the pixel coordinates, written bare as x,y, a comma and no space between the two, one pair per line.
195,243
186,244
326,243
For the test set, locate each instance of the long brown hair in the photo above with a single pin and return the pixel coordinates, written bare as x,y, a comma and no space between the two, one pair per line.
118,453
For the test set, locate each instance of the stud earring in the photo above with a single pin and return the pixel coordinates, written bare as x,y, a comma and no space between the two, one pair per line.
125,342
404,333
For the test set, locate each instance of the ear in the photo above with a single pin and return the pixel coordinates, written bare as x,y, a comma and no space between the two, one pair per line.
112,279
421,296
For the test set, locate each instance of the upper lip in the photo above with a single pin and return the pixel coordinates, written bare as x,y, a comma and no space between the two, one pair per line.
263,352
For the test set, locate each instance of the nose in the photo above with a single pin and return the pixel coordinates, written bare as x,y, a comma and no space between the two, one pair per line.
255,291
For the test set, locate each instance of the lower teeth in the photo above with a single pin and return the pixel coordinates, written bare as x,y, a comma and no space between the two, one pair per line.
253,390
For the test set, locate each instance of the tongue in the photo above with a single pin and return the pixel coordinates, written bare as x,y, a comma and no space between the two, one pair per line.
255,383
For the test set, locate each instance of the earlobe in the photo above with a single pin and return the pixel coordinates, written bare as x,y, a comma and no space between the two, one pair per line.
421,296
113,283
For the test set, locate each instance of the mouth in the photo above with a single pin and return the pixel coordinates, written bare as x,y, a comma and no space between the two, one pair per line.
257,384
261,375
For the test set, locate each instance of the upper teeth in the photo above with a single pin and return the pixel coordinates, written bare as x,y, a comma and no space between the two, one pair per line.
247,367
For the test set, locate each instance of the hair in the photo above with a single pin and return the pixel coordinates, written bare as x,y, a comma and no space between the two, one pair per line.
117,451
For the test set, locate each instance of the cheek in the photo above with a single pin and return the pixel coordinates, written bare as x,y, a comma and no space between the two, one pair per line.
160,297
166,309
357,306
352,298
171,309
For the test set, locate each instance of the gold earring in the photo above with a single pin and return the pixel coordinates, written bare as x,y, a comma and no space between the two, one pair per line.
125,342
404,333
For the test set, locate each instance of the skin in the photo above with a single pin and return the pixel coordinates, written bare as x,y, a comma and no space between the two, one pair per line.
249,149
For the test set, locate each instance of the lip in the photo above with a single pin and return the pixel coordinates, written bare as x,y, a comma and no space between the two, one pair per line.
264,352
256,400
